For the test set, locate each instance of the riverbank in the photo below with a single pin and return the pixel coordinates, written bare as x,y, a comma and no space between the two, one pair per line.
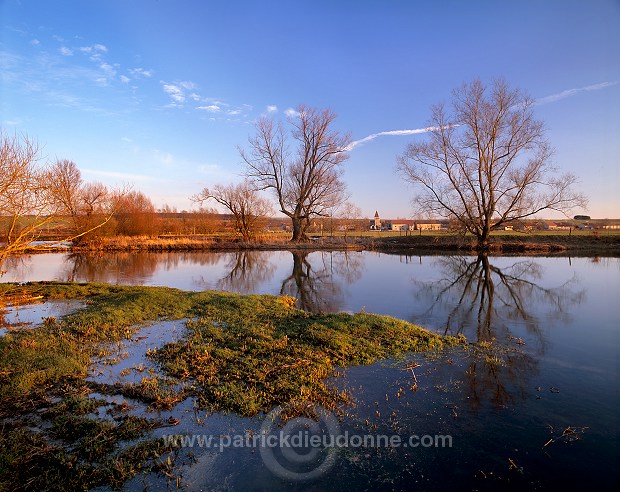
574,244
63,428
577,243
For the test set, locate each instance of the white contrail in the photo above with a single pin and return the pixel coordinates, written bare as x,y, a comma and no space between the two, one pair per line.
539,101
572,92
355,143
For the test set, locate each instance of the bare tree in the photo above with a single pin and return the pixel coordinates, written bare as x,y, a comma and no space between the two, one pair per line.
306,182
85,207
349,216
249,209
25,209
36,198
487,162
65,181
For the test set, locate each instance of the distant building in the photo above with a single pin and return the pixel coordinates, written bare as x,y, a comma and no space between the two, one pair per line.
380,225
429,225
399,226
540,225
404,225
375,224
559,226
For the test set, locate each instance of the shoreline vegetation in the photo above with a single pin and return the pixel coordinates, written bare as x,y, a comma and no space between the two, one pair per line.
576,242
237,353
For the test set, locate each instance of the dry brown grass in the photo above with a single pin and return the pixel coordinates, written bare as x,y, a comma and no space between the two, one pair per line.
213,242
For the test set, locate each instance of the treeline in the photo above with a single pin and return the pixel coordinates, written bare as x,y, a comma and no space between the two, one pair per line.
42,199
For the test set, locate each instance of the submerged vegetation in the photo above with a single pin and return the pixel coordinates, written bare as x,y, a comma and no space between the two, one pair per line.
242,354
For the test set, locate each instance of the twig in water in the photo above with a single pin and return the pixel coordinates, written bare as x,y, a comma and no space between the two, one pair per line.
411,367
569,434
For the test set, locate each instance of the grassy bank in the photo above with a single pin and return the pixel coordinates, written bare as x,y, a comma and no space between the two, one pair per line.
577,242
242,354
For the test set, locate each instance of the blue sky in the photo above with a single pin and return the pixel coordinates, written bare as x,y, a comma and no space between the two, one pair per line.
160,93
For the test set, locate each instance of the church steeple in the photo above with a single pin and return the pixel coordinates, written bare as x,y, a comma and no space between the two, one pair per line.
376,223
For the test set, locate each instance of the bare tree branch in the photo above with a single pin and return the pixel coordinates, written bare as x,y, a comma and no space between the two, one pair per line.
248,208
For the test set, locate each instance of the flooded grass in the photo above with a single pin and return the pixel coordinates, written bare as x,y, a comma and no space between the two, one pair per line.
241,354
252,355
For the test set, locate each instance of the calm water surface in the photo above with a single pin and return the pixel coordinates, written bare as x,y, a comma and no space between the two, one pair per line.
562,314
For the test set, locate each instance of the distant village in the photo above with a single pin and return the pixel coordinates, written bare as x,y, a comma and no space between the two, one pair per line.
377,224
578,222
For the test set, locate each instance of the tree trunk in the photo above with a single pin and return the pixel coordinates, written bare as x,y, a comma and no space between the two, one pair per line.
485,311
483,239
299,230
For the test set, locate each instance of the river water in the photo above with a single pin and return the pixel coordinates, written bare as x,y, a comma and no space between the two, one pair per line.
546,416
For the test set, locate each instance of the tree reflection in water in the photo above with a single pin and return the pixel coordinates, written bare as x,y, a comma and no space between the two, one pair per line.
315,285
18,266
486,302
130,268
248,269
507,305
316,279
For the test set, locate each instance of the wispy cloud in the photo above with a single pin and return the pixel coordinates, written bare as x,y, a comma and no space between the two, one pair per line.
212,108
95,48
181,93
272,108
175,92
108,69
291,113
416,131
178,91
96,54
52,78
573,92
57,75
141,72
